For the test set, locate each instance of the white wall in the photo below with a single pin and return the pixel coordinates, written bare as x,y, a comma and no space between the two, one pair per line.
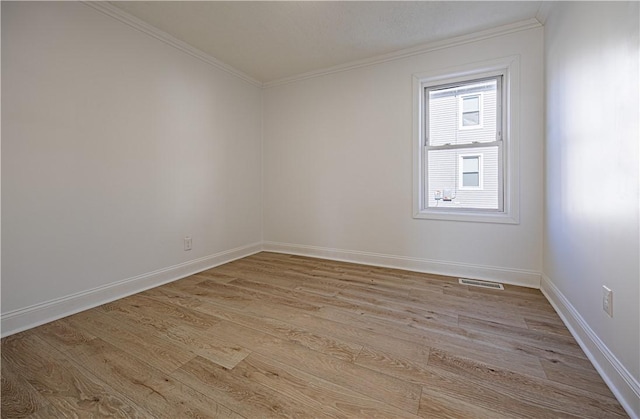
338,169
114,147
592,183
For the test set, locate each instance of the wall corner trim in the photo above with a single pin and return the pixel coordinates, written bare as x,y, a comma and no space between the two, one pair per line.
624,386
134,22
48,311
511,276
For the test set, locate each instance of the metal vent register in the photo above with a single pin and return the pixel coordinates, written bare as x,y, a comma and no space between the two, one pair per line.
478,283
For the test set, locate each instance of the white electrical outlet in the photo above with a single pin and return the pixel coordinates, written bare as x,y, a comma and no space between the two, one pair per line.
607,301
187,243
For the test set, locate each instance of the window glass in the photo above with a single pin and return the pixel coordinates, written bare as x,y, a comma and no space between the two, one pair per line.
464,162
470,172
471,111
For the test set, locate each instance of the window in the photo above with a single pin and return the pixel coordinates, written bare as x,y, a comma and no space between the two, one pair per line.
470,172
471,111
465,154
453,151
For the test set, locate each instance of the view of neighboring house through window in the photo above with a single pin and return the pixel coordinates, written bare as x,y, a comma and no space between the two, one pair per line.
462,155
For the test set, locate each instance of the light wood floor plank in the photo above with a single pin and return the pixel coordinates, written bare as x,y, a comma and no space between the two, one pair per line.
398,393
549,325
461,391
557,343
536,394
413,371
321,343
465,307
316,391
580,377
71,390
436,403
249,398
147,386
159,352
276,335
342,331
463,343
19,399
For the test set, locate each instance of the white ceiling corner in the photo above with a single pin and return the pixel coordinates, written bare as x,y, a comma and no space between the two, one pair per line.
276,40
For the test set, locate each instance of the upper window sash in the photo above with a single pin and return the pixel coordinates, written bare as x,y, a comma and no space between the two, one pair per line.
462,89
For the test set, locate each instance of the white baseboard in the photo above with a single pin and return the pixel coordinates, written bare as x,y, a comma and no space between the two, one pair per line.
624,386
38,314
519,277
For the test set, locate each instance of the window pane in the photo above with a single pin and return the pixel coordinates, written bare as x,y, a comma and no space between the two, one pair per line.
471,104
470,179
470,164
449,109
470,119
443,173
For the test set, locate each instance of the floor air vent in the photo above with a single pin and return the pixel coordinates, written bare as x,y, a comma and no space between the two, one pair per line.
483,284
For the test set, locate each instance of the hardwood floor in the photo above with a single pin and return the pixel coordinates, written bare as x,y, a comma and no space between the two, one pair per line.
276,335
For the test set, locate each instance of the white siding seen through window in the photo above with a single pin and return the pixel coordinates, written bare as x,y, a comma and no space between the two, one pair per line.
463,144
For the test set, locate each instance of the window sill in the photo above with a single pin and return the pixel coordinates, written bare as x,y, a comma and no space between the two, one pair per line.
468,216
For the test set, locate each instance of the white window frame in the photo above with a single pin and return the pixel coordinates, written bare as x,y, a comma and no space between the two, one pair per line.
461,186
509,213
461,99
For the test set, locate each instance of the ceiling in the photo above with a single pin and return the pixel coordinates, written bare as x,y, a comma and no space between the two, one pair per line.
273,40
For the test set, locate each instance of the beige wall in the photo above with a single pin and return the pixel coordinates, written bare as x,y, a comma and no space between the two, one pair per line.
591,231
338,168
114,147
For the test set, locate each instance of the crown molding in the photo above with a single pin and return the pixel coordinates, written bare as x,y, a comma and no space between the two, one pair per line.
410,52
134,22
544,11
